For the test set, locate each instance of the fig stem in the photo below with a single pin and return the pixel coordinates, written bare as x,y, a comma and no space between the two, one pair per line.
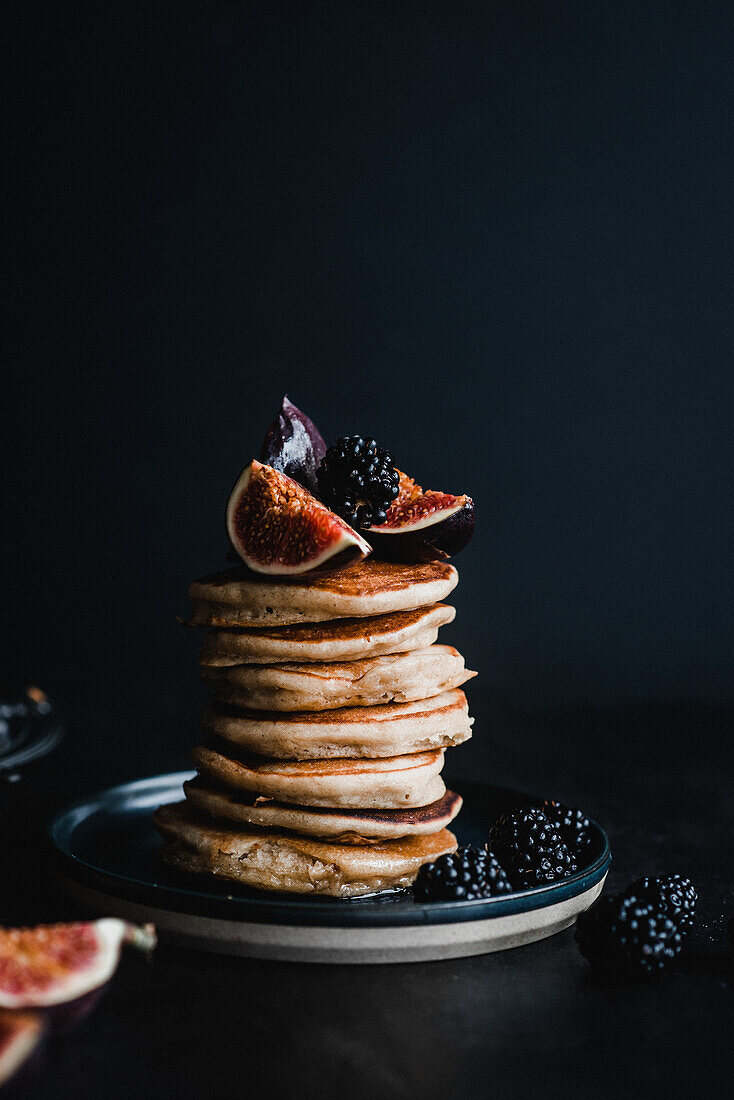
141,937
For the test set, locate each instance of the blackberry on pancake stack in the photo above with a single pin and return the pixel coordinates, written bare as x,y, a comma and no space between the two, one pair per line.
332,705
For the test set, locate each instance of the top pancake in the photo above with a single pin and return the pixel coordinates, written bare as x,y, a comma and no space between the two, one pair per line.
334,640
237,597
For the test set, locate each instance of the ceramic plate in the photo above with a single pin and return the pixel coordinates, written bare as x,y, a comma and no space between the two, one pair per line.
109,854
29,728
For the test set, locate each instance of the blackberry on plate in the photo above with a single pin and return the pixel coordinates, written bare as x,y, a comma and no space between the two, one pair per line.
358,481
531,849
466,875
574,827
672,896
497,881
624,935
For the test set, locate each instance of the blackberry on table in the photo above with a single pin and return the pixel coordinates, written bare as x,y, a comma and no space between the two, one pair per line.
531,849
465,875
573,825
358,481
672,896
623,935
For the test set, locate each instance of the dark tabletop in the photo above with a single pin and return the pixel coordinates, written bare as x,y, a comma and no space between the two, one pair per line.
526,1022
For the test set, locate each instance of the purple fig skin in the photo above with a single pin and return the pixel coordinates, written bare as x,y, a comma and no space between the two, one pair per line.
438,542
294,446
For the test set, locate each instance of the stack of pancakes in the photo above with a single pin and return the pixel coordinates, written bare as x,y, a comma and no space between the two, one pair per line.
332,707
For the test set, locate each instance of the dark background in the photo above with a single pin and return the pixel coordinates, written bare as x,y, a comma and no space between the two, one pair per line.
499,237
496,236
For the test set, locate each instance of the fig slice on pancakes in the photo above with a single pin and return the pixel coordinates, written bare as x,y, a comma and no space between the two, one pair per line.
277,527
423,525
294,445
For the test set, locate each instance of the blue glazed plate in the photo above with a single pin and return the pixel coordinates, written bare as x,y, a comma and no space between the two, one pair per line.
109,852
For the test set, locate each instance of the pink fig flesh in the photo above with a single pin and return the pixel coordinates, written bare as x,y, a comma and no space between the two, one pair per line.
294,446
423,525
277,527
56,963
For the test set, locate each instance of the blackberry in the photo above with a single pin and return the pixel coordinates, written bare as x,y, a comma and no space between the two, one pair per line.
358,481
625,935
672,896
497,881
466,875
574,827
530,848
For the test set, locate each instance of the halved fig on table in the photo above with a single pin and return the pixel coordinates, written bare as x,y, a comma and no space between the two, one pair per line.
54,964
423,525
20,1033
278,527
294,446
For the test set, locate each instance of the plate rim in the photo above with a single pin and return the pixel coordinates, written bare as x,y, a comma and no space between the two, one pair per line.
308,909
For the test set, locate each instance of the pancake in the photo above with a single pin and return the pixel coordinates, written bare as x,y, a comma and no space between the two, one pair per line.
390,730
237,597
335,640
339,826
386,784
393,678
272,860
